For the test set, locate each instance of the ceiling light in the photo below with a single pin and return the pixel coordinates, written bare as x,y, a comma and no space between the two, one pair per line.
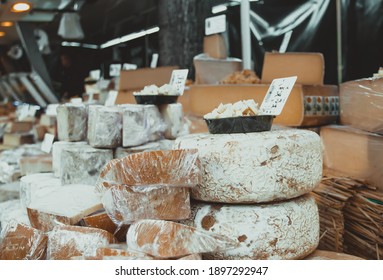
21,7
2,34
6,24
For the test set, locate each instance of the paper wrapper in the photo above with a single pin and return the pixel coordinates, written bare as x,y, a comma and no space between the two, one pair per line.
173,168
21,242
65,242
104,126
141,124
72,122
164,239
125,205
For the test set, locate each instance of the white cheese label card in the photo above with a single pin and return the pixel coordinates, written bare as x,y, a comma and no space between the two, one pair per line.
47,143
277,95
153,63
214,25
111,99
178,80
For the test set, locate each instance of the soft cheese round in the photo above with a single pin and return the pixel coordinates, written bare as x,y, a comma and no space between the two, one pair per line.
283,230
256,167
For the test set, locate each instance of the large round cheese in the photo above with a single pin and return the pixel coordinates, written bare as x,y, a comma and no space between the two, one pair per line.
284,230
256,167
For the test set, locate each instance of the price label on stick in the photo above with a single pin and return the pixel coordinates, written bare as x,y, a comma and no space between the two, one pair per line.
178,80
214,25
47,143
277,95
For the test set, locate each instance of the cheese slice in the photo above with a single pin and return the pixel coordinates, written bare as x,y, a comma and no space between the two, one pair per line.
165,239
174,168
104,126
164,144
128,204
65,242
64,205
57,148
82,165
172,115
256,167
34,186
72,122
22,242
141,124
284,230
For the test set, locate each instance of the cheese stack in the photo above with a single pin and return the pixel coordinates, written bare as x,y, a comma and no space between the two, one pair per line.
276,168
72,122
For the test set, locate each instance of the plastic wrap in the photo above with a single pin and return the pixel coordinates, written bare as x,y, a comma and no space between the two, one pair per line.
173,168
141,124
361,104
34,186
66,242
56,154
120,251
10,191
125,205
21,242
164,144
284,230
256,167
83,164
164,239
104,126
63,205
354,152
172,115
72,122
11,211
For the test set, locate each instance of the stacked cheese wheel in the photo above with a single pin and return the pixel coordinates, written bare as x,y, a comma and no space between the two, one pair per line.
255,189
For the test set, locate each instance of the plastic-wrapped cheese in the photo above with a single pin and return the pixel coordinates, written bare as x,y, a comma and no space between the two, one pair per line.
120,250
165,239
283,230
141,124
172,115
56,154
34,186
256,167
64,205
104,126
22,242
65,242
72,122
82,165
128,204
163,144
11,211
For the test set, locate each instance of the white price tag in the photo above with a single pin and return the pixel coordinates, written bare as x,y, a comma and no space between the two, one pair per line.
153,63
95,75
277,95
178,80
129,66
111,99
47,143
214,25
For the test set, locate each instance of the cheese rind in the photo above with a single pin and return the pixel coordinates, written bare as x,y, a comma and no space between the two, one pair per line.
65,242
284,230
104,126
56,154
172,115
164,144
72,122
165,239
256,167
82,165
125,205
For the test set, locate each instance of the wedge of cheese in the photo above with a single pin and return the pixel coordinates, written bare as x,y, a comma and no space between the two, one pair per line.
256,167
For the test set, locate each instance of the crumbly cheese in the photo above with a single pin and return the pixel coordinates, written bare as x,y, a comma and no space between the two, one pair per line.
238,109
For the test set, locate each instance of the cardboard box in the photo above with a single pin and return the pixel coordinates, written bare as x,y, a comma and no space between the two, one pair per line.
355,153
308,67
361,104
214,46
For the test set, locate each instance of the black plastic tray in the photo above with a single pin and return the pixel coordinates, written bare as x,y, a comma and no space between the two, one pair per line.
240,124
156,99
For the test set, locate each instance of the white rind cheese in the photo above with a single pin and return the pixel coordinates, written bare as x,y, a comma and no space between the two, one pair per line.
172,115
72,122
256,167
56,154
284,230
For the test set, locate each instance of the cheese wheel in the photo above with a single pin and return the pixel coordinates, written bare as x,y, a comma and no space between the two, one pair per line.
284,230
104,126
128,204
256,167
21,242
163,144
72,122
